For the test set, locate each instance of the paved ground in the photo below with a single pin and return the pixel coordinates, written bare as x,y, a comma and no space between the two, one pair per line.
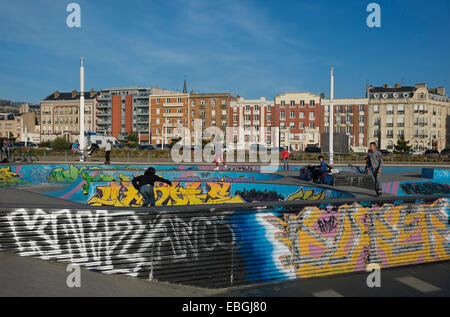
27,276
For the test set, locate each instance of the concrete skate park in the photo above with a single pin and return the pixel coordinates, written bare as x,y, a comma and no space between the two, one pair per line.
223,229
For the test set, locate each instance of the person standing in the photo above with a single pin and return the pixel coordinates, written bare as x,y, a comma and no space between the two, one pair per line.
374,163
145,185
108,152
75,147
285,158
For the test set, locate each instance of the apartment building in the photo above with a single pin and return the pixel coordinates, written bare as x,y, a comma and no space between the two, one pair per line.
251,121
60,115
350,118
10,126
122,110
169,117
22,126
416,112
213,109
299,116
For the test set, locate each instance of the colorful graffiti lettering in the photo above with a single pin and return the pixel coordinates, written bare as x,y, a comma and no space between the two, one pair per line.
61,175
391,235
123,194
428,188
95,177
9,178
308,194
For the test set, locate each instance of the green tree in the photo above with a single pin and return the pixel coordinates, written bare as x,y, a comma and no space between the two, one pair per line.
402,146
132,137
60,144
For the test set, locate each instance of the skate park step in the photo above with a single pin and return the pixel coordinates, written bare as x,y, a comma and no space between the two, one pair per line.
353,179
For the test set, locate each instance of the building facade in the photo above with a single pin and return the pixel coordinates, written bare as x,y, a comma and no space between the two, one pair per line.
417,113
123,110
298,115
169,117
251,121
350,118
60,115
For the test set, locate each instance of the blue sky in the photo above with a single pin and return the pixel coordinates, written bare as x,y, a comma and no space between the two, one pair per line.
252,48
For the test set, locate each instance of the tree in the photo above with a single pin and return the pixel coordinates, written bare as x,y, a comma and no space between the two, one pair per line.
132,137
402,146
60,143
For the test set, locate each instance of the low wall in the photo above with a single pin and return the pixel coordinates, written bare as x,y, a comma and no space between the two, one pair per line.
230,245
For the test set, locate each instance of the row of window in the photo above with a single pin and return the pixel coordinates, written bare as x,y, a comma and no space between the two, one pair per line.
312,115
418,108
202,102
293,104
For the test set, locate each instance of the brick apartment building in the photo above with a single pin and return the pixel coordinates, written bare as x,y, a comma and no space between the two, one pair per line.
350,118
299,116
122,110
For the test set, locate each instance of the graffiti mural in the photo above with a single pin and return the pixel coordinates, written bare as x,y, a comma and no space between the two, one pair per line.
346,239
9,178
221,249
406,188
125,195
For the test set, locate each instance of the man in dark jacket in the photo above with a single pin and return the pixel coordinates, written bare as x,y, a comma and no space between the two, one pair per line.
145,184
374,163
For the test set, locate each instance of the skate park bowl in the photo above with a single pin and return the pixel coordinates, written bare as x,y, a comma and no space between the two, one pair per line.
262,236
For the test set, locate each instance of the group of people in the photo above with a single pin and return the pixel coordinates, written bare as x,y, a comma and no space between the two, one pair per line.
76,150
374,165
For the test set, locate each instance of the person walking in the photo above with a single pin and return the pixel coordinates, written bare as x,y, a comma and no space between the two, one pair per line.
108,152
75,147
145,185
285,158
374,163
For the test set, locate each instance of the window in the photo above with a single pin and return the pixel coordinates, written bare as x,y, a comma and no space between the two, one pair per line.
283,104
302,115
282,115
269,117
213,113
389,122
158,121
179,110
376,109
193,113
292,115
312,104
203,102
213,102
302,103
179,100
235,118
349,119
361,119
400,122
349,130
390,109
401,109
349,109
167,100
361,130
291,125
167,110
312,116
312,125
301,125
224,102
193,102
292,103
361,108
248,108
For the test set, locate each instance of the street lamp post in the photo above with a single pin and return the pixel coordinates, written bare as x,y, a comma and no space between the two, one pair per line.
82,140
330,141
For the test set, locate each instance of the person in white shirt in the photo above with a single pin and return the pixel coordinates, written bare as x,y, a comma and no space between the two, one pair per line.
108,152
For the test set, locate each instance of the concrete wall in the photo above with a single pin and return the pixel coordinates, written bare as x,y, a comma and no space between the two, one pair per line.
229,247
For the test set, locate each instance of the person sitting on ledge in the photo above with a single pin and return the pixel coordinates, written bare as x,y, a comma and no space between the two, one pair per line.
145,185
320,171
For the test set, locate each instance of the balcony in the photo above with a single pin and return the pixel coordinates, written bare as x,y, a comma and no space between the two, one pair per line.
172,115
400,125
401,112
389,125
178,105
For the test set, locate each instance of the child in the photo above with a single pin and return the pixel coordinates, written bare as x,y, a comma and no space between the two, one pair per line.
320,170
145,185
285,158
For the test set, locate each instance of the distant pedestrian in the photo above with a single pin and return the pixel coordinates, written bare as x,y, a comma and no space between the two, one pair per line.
108,152
145,185
6,149
285,158
218,150
75,147
374,163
